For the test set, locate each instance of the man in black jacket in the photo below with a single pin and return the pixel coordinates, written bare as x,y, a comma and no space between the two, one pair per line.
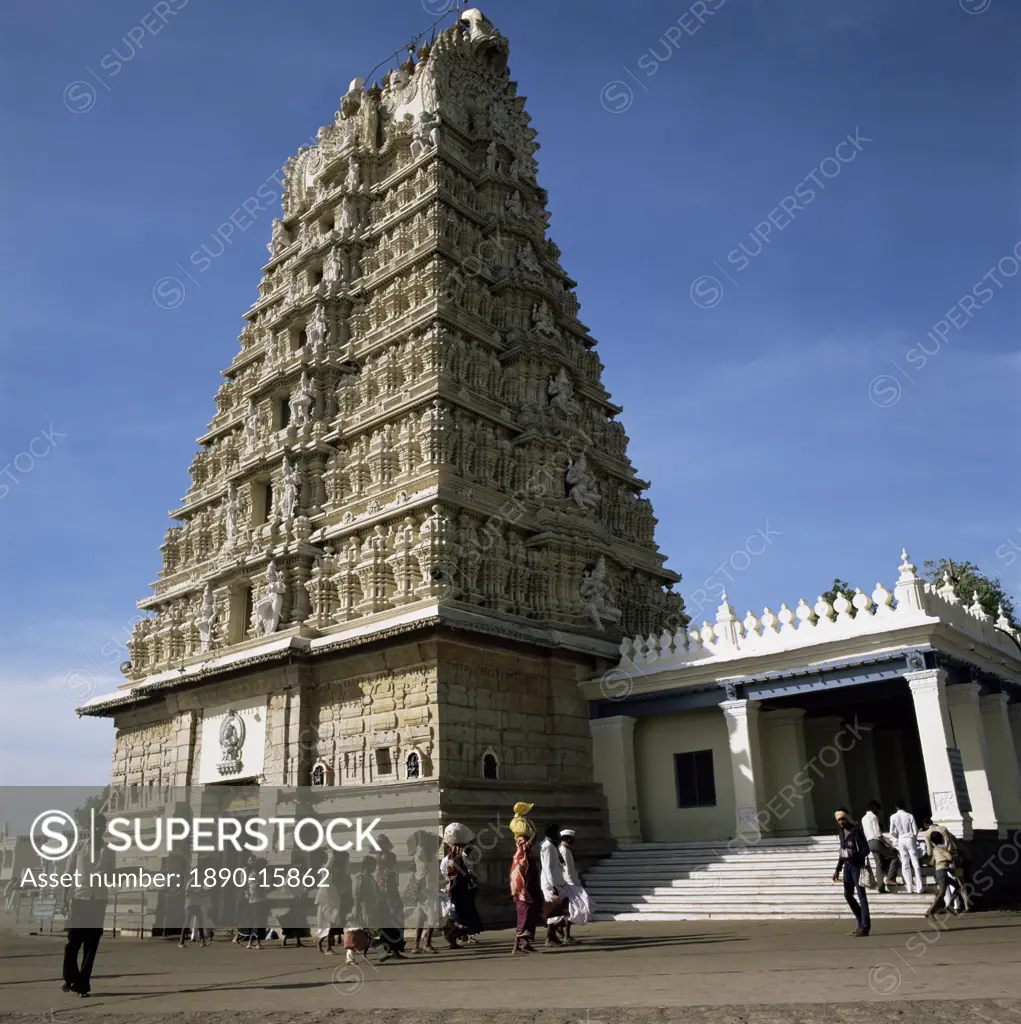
854,851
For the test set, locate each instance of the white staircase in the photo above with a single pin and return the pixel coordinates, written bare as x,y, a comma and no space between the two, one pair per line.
786,878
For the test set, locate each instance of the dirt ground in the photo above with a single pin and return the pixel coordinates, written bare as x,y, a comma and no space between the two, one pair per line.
718,972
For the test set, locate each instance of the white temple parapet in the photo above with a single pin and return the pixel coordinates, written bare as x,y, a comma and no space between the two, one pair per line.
911,602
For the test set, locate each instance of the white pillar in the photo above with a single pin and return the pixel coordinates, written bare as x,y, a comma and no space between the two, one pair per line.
613,766
784,753
970,738
742,717
1004,771
932,715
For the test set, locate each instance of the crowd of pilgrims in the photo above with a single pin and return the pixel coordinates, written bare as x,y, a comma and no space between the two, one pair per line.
362,906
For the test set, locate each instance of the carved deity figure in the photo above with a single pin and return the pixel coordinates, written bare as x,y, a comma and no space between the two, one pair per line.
561,396
334,268
526,258
316,331
251,426
542,318
513,204
492,157
231,515
266,613
595,596
426,133
346,217
301,404
582,488
280,238
205,619
288,491
353,180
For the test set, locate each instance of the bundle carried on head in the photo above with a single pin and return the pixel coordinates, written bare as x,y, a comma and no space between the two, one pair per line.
520,826
456,834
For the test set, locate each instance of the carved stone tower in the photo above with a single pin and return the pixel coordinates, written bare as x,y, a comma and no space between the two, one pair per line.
413,526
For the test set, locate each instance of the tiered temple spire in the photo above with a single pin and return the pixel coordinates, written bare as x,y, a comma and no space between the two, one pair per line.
416,416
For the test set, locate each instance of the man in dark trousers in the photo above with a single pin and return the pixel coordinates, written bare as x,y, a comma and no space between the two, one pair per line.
854,851
87,911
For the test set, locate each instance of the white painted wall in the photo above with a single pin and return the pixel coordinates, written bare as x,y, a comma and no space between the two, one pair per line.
657,739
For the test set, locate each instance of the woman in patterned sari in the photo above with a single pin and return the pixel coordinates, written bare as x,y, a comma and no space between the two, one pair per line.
525,883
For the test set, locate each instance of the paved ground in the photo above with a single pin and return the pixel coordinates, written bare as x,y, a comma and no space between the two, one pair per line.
722,973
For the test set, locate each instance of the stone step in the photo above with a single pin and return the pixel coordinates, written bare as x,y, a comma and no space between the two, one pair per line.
778,878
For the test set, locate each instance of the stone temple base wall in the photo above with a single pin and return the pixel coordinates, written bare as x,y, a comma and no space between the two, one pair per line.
449,698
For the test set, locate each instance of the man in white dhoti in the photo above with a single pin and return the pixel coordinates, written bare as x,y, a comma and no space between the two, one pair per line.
579,909
553,883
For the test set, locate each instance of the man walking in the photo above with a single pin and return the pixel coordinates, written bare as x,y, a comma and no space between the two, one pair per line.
854,851
552,877
87,910
883,858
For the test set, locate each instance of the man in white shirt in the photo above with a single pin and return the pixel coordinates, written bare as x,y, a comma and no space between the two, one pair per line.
552,881
883,857
578,907
905,831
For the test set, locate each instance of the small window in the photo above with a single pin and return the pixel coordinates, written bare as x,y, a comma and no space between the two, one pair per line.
319,775
267,508
489,766
696,783
302,338
249,612
413,765
285,413
384,764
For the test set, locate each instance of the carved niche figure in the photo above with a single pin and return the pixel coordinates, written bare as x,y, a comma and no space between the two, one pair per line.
582,488
595,596
232,742
353,180
206,618
526,258
426,133
561,395
301,404
334,267
316,330
231,515
280,239
492,157
251,426
513,204
293,290
346,218
266,613
542,319
288,491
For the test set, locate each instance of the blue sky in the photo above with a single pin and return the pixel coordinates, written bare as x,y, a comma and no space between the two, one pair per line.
790,401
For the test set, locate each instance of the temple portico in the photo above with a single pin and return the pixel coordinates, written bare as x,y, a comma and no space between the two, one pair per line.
768,725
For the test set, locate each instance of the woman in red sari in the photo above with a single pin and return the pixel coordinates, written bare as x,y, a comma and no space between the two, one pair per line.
525,885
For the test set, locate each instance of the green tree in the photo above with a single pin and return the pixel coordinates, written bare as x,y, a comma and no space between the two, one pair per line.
81,814
840,587
967,580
